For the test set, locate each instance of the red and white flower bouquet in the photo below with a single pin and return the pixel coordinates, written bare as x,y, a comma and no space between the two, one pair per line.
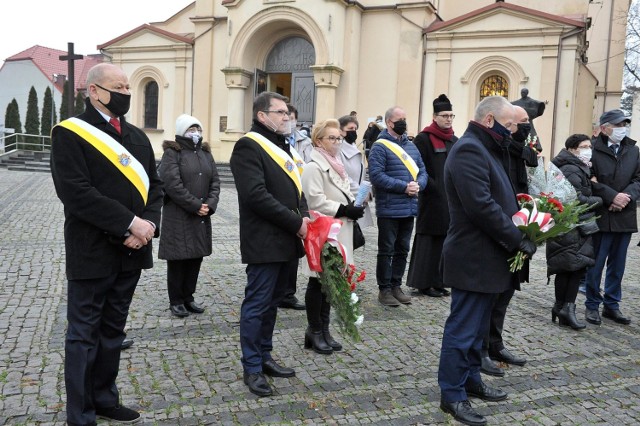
326,256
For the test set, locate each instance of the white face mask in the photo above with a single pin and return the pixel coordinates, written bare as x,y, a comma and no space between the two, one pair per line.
585,154
618,133
194,135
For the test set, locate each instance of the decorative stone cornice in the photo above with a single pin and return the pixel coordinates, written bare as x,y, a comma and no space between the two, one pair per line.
237,77
326,75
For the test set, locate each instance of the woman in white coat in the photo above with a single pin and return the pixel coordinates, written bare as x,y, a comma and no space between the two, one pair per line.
326,187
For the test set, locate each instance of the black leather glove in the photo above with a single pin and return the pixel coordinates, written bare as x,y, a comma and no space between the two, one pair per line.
350,211
528,247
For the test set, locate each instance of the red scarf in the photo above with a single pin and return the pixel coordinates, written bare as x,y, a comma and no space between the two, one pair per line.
438,136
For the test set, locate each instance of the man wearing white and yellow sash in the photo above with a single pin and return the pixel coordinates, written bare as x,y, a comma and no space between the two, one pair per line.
397,174
104,173
273,221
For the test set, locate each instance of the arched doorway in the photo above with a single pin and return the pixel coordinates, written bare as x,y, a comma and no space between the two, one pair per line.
287,72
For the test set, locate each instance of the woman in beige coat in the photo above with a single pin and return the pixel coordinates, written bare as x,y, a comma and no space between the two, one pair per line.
326,187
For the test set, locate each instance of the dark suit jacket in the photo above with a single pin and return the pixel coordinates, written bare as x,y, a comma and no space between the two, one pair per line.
481,235
99,201
271,209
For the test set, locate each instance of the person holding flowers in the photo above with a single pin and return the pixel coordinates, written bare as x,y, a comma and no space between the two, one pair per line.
569,255
326,186
481,239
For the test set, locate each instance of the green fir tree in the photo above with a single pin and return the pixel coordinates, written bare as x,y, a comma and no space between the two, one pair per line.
78,107
63,105
46,119
32,124
12,117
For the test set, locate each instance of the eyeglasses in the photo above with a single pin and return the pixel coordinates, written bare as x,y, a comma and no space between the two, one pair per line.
281,112
446,116
334,139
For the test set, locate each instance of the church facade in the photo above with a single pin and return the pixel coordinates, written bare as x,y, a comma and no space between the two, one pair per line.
331,57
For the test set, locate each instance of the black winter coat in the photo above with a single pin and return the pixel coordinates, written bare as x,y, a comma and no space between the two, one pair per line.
433,210
271,209
481,235
99,201
521,156
190,179
621,174
574,250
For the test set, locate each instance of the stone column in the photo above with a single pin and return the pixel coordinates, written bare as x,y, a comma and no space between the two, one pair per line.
237,80
327,79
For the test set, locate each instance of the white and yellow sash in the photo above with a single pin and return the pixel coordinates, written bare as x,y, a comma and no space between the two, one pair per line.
298,159
280,157
113,151
406,159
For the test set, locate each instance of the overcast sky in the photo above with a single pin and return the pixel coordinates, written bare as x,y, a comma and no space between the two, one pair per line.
86,23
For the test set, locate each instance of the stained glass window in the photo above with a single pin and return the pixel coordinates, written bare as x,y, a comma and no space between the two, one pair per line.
494,85
151,105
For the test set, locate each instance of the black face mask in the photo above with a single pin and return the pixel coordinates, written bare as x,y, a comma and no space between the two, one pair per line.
351,136
118,104
500,129
400,127
523,131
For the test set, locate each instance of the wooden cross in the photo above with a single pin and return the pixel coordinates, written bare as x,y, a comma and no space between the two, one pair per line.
70,57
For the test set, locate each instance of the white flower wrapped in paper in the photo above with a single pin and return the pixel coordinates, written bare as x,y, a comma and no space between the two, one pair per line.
550,182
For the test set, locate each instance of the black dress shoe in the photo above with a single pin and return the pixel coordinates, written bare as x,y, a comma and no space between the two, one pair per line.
504,355
463,412
292,303
486,393
431,292
489,367
257,384
126,344
592,316
194,307
179,311
616,315
444,291
271,368
119,414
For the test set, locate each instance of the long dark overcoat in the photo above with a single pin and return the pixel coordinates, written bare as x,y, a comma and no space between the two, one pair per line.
616,174
99,201
190,179
481,235
433,209
271,209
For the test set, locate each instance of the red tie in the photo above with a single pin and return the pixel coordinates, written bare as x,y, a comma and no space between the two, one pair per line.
115,123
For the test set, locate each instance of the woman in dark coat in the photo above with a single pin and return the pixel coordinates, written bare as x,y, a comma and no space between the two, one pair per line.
569,256
192,190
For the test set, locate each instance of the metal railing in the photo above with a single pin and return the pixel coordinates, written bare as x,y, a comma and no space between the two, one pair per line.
26,142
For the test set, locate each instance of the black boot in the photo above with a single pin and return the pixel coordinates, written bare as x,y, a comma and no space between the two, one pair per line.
554,311
567,317
325,315
313,337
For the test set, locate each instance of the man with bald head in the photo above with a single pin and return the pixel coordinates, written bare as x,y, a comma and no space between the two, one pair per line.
475,255
104,172
521,156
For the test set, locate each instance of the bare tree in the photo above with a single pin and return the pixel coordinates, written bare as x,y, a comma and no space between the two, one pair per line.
631,71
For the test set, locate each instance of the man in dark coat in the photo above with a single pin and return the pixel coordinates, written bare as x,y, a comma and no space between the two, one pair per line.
481,239
273,219
616,166
434,143
110,218
521,156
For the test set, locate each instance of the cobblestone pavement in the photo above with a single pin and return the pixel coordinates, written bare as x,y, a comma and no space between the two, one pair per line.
188,372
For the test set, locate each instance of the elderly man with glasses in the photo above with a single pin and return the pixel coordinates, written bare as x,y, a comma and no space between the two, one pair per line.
398,175
616,166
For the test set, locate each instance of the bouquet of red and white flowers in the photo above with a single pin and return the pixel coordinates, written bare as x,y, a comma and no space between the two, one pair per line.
326,256
544,217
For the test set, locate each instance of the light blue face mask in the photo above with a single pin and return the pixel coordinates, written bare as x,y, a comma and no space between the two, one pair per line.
618,133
